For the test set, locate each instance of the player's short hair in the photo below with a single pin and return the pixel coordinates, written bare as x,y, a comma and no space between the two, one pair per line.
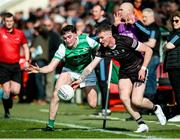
68,28
104,27
7,15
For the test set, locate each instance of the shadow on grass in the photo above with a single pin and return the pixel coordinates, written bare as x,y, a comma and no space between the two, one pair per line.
79,129
117,129
94,117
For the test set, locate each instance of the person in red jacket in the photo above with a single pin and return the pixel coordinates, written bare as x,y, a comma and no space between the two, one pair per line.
11,39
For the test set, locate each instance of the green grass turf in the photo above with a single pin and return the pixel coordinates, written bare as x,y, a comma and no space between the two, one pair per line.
74,121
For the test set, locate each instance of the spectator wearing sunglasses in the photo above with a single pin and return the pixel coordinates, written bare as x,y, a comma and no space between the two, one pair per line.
172,62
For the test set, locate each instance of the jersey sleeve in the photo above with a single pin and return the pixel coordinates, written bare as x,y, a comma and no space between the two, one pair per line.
60,53
175,40
92,43
23,38
154,33
126,41
142,28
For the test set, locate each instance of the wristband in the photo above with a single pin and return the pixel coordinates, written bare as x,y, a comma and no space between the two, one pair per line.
144,68
80,79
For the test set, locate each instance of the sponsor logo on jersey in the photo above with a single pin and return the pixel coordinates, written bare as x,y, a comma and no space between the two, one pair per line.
4,36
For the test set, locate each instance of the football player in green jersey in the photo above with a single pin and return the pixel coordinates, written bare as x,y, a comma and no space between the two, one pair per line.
77,53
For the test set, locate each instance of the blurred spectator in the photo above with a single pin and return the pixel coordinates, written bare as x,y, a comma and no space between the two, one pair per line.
98,14
19,19
172,62
72,12
40,55
1,19
121,25
58,21
29,31
138,9
152,38
172,6
154,42
107,5
39,13
80,26
54,40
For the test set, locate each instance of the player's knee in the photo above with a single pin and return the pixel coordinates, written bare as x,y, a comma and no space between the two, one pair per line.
136,102
7,91
55,97
92,104
15,91
124,99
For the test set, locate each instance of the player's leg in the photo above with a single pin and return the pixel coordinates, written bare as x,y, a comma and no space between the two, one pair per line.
64,78
125,88
89,85
15,87
15,83
5,78
139,101
15,90
6,99
91,94
137,96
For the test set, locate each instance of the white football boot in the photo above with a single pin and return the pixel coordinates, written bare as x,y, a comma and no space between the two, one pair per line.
142,128
175,119
160,115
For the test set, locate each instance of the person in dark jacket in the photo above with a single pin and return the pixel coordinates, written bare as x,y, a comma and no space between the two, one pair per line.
172,61
152,38
54,40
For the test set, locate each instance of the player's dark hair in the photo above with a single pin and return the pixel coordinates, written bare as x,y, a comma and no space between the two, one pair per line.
104,27
7,15
68,28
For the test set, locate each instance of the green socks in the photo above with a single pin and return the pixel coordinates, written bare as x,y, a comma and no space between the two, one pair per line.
51,123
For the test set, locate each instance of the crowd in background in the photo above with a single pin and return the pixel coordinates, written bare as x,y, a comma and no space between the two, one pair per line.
42,29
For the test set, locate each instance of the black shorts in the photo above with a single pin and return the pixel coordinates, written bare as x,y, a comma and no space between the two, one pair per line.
132,76
10,72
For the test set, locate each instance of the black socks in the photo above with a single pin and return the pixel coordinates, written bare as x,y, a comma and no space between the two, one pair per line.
140,121
154,108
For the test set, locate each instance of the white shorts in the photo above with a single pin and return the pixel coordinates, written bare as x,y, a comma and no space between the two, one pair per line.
90,80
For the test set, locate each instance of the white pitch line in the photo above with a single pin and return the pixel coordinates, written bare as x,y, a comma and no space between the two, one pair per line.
116,118
86,127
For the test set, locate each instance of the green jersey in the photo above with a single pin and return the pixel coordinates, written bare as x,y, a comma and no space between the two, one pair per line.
77,58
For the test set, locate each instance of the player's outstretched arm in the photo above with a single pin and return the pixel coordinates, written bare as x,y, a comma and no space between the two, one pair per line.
86,72
33,69
46,69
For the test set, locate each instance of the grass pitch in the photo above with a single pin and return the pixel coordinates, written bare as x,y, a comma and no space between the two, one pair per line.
77,121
